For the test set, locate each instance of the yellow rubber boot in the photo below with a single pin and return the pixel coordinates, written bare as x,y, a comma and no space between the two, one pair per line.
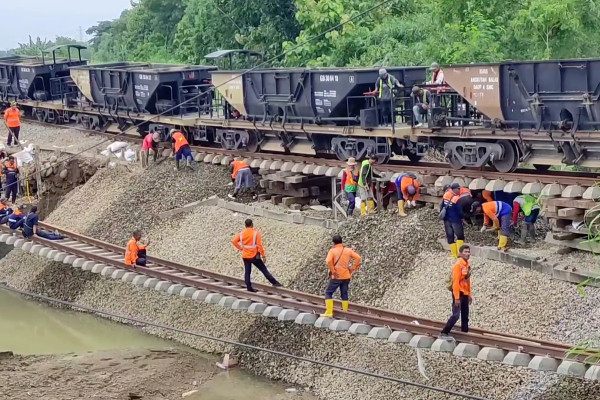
345,305
502,242
363,208
459,243
401,208
453,251
328,308
371,206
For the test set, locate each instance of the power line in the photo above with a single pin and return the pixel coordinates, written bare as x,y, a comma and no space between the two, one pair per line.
4,286
154,116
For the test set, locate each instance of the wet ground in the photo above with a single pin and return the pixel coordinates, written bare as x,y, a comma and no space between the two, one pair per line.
61,354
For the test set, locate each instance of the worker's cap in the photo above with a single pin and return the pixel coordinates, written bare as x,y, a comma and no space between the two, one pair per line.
434,66
156,137
411,174
474,206
382,72
351,161
416,89
411,190
13,103
455,186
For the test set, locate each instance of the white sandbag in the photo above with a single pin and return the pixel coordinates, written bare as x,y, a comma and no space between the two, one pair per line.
130,155
357,202
116,146
23,157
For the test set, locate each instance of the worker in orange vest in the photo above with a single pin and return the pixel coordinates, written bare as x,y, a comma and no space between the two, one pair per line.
135,253
12,119
250,244
500,213
10,170
460,286
342,262
407,188
181,147
242,175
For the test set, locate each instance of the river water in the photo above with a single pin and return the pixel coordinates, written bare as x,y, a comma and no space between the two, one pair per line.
31,328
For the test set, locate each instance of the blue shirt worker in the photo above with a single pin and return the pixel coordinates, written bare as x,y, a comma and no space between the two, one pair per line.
11,172
17,218
528,205
30,227
407,188
452,215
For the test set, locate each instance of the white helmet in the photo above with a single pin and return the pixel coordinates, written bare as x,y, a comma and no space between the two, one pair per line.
172,131
156,137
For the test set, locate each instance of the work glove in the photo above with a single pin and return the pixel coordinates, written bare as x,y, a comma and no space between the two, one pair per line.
482,228
413,203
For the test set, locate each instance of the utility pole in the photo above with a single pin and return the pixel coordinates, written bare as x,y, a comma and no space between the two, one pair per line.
80,34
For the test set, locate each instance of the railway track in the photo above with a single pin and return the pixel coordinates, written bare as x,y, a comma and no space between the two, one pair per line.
100,255
425,168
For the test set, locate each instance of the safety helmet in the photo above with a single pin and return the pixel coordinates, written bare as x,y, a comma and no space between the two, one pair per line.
411,190
382,72
13,103
172,131
156,137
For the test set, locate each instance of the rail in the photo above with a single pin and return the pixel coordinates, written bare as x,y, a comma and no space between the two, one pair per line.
112,255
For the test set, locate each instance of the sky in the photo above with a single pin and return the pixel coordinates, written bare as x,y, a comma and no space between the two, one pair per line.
36,18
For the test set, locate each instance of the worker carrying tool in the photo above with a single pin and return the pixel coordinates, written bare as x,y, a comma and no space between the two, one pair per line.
249,242
11,171
12,119
500,213
182,150
150,142
242,175
529,206
407,188
17,218
460,286
342,262
350,185
452,215
30,227
365,183
135,253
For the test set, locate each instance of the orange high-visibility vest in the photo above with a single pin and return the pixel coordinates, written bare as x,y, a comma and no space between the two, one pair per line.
12,117
180,141
237,166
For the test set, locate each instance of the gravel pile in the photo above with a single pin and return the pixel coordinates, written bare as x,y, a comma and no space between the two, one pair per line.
287,246
49,138
387,244
489,380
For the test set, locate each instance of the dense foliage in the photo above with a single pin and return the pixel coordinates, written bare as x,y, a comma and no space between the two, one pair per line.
400,32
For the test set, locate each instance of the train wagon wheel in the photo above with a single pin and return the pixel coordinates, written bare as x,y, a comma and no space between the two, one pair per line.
510,161
253,145
454,162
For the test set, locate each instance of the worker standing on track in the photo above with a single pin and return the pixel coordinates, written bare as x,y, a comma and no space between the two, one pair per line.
460,286
527,204
181,147
350,185
500,213
135,253
150,142
11,172
452,215
12,119
30,227
407,188
249,242
242,175
339,260
365,182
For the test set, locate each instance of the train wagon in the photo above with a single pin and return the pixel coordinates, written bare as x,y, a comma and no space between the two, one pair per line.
122,88
542,112
37,78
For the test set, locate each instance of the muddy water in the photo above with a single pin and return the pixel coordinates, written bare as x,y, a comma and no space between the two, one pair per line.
32,328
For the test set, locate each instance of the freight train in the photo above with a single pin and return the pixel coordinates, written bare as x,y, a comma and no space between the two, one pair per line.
499,114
